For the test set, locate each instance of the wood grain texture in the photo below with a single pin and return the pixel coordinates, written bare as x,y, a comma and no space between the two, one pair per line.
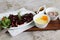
53,25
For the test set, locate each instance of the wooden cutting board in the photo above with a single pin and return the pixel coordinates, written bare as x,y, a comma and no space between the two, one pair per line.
53,25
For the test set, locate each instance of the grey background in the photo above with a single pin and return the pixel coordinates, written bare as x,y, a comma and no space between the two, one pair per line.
9,5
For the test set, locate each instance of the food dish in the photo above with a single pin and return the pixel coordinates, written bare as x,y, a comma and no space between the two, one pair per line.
53,13
41,20
42,9
12,18
19,20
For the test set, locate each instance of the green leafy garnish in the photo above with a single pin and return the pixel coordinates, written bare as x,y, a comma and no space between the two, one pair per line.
5,22
19,16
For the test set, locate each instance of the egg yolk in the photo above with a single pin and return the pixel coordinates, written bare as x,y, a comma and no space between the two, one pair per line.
45,18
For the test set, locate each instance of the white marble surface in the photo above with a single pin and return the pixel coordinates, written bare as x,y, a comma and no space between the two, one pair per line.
9,5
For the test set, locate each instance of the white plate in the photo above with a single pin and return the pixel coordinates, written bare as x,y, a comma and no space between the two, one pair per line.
20,30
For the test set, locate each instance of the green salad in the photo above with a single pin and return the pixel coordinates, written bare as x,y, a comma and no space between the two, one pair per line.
5,22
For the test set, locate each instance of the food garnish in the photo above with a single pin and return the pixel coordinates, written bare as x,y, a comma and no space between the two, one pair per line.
19,16
5,22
